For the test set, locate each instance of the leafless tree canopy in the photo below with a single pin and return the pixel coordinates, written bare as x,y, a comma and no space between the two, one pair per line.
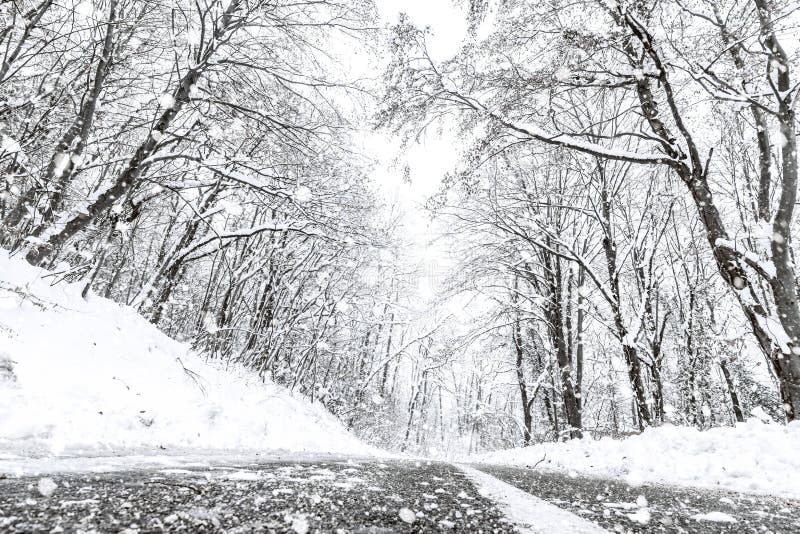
616,237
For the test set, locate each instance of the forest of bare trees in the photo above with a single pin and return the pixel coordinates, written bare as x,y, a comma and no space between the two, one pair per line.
614,244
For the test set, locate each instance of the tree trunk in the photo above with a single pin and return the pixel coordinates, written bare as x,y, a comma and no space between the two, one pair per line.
129,178
629,352
523,387
554,313
63,162
737,406
783,284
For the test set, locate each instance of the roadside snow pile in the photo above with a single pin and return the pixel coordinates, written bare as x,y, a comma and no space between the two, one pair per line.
95,376
752,457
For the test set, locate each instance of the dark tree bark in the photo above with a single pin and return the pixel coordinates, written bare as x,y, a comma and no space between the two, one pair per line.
129,178
11,54
783,284
629,352
519,351
693,173
737,406
169,272
555,316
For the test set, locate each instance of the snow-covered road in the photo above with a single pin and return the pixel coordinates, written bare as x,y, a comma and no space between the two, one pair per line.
366,495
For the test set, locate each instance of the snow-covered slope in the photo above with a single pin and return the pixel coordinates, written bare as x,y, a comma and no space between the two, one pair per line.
93,376
754,456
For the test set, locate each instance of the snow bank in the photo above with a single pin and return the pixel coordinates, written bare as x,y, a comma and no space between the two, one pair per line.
752,457
93,376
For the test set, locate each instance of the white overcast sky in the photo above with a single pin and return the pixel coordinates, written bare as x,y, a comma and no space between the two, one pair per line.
432,156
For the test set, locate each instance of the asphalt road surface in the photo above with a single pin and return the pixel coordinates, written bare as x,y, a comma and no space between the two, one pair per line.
619,507
365,496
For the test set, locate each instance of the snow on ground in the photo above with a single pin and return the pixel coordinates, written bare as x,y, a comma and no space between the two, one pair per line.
529,513
171,461
716,517
753,456
92,377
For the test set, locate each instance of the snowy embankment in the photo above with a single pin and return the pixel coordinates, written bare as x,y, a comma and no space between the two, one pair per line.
753,456
93,377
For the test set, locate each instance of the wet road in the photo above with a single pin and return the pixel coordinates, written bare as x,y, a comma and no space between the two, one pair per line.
619,507
347,496
358,496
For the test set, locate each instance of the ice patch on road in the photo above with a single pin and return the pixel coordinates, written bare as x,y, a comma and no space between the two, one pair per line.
407,515
243,475
46,486
641,516
299,523
527,512
716,517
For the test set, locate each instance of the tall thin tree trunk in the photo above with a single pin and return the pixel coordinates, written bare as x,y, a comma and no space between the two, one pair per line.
737,406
